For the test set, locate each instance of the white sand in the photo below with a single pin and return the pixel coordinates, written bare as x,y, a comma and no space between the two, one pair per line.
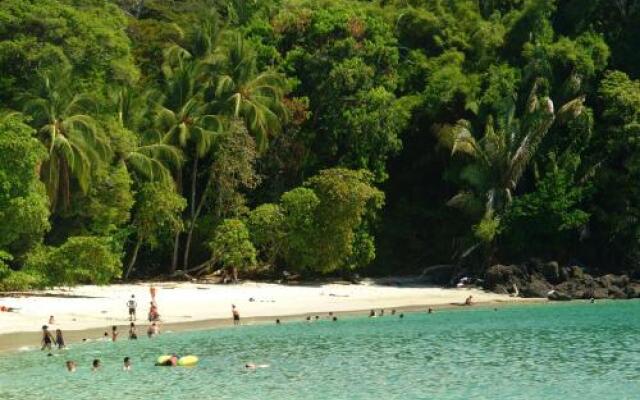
182,302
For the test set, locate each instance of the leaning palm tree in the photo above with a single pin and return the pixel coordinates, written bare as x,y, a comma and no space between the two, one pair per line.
243,92
75,142
500,156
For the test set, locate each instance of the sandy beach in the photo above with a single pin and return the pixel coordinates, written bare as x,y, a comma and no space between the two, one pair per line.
183,305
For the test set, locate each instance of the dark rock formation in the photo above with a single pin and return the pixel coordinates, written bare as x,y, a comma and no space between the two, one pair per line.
536,287
551,272
537,279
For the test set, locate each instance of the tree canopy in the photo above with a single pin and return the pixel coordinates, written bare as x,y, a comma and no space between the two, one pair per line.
144,138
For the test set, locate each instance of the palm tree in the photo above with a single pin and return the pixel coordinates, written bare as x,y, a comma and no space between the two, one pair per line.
75,142
184,118
499,158
153,161
255,97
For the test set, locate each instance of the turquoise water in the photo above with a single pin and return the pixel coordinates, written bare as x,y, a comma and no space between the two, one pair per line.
560,351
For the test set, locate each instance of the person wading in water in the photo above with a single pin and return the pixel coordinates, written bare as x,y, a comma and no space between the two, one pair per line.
236,315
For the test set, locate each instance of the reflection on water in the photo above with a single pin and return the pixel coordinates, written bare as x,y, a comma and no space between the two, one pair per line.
564,351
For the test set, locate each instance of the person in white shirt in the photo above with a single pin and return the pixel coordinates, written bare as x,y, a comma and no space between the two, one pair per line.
132,307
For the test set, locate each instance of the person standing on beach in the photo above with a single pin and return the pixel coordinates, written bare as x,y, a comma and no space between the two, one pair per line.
132,305
236,315
153,312
47,338
59,339
114,333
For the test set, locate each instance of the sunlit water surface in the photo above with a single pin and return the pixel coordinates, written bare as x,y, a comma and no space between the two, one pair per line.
556,351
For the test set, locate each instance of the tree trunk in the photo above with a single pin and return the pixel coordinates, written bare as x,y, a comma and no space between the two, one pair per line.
176,247
64,184
176,242
192,225
134,257
192,216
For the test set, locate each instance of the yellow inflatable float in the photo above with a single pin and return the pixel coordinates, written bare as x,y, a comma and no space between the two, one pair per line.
185,361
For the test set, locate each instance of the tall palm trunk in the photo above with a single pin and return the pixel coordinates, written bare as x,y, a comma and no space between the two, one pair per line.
176,248
176,240
192,216
65,184
134,257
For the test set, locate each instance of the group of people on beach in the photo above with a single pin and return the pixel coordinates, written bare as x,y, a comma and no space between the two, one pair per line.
49,340
153,314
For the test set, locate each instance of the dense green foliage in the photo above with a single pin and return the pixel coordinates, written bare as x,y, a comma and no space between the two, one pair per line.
24,209
231,246
81,259
315,136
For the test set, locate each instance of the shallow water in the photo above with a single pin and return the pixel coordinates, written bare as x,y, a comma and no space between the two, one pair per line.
563,351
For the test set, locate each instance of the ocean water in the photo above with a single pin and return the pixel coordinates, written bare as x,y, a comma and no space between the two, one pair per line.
553,351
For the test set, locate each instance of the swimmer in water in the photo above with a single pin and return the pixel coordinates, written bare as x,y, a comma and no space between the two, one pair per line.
153,330
133,333
172,361
71,366
126,364
59,339
372,314
47,338
95,366
236,315
253,366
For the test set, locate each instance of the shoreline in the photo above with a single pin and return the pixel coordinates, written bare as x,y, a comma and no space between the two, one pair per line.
15,341
87,311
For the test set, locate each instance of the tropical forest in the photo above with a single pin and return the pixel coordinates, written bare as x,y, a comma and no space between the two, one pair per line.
317,138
